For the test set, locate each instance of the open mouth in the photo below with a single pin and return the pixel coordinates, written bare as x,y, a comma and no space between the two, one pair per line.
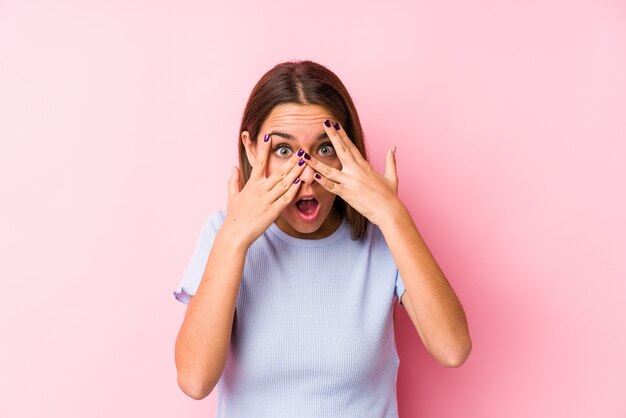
308,208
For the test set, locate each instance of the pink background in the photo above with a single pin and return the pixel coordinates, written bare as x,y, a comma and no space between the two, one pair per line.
118,127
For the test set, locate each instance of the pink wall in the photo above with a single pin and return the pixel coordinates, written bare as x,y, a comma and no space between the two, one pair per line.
118,128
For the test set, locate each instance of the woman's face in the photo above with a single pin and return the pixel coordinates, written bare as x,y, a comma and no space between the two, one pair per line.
294,126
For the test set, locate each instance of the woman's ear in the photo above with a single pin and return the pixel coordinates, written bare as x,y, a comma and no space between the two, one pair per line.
250,147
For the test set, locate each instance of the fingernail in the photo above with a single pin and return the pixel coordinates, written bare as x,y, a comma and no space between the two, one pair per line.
266,137
300,152
336,125
307,156
327,123
317,176
297,180
301,162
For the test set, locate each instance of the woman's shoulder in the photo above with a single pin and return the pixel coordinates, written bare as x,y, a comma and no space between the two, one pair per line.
375,236
214,221
373,231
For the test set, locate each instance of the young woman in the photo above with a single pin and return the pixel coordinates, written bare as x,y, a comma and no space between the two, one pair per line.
291,290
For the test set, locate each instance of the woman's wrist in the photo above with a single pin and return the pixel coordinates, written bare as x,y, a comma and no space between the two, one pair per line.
393,213
232,238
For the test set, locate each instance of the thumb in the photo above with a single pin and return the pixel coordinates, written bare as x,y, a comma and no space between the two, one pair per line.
390,164
390,168
233,183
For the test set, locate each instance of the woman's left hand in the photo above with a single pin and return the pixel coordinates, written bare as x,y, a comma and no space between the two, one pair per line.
362,187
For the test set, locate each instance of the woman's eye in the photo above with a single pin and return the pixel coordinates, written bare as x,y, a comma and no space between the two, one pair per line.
283,151
327,150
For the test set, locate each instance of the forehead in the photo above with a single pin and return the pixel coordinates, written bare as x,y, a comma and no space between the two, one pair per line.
297,117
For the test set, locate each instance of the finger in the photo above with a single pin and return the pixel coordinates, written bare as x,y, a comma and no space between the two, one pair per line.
292,177
327,171
283,170
356,154
233,183
343,151
261,157
390,164
329,185
286,198
391,173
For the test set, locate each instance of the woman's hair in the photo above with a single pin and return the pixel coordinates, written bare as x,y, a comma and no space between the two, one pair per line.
304,82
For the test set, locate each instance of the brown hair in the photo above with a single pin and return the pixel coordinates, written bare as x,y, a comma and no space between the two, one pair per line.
304,82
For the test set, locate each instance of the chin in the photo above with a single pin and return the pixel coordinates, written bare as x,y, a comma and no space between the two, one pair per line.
305,227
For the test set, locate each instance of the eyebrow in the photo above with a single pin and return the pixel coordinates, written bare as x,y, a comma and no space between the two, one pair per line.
292,138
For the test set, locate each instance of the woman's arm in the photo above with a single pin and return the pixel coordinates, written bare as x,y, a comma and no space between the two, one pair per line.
434,304
429,295
204,337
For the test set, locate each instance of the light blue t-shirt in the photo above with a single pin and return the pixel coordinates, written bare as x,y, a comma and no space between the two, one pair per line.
313,333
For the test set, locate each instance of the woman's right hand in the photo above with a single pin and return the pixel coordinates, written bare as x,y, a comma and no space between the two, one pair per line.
252,210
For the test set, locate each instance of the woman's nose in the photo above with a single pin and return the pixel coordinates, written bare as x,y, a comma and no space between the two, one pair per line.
307,174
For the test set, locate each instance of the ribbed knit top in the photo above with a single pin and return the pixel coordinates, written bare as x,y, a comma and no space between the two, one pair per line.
313,333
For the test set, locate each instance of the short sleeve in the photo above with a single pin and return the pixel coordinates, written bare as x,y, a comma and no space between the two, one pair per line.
195,268
399,287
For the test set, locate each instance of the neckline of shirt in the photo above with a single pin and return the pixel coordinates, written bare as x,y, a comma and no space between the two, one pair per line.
341,231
